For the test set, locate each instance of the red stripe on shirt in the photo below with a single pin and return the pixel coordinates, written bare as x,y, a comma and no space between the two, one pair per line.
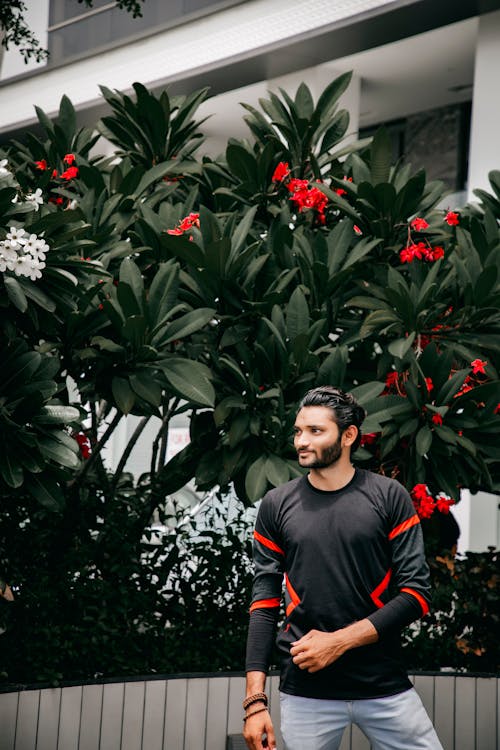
404,526
265,604
420,599
293,596
380,589
267,543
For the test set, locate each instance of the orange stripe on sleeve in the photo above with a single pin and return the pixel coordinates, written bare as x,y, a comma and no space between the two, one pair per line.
293,596
267,543
380,589
265,604
420,599
404,526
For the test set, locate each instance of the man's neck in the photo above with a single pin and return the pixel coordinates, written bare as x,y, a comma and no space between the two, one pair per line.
332,477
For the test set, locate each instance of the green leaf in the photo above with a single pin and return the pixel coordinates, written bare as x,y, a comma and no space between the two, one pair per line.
399,347
130,274
11,470
423,440
57,414
67,118
123,394
186,325
381,156
276,470
15,293
255,480
189,379
46,491
146,387
297,314
57,452
367,391
158,172
241,232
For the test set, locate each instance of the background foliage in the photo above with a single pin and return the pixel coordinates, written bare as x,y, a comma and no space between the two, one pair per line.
155,283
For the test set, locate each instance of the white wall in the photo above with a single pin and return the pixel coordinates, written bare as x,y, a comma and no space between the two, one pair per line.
37,19
152,60
484,153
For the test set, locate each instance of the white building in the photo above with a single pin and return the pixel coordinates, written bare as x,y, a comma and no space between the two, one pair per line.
429,69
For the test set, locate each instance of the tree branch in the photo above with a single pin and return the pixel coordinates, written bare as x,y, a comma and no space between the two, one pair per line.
128,450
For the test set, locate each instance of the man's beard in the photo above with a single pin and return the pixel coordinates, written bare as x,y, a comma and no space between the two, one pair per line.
327,457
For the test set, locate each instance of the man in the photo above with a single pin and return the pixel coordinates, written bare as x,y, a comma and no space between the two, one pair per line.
349,545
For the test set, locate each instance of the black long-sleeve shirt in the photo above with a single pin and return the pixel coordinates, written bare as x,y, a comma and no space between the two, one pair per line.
344,555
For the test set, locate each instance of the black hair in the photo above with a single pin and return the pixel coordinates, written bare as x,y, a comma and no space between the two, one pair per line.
344,407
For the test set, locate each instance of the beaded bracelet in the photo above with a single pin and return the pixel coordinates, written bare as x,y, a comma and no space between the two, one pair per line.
259,711
255,698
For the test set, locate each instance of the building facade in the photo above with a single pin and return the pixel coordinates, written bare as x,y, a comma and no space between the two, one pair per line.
427,70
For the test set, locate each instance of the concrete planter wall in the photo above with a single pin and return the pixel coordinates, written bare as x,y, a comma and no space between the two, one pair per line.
201,712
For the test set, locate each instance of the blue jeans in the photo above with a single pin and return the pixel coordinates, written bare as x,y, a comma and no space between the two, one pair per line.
398,722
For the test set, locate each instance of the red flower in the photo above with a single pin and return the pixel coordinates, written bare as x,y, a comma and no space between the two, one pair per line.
58,201
452,218
69,159
420,491
357,229
437,419
436,254
369,438
406,255
478,366
391,378
429,384
70,173
423,501
443,504
418,224
54,174
305,197
280,172
41,165
426,507
340,191
497,409
84,444
296,185
192,220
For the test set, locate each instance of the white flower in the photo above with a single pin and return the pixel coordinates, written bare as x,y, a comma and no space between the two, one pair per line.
3,263
35,270
16,236
35,198
73,204
8,250
39,252
22,265
31,245
3,167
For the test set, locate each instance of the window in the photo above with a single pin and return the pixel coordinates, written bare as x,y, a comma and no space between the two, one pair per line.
436,140
76,30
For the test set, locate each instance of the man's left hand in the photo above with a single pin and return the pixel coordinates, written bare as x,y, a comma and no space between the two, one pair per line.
317,650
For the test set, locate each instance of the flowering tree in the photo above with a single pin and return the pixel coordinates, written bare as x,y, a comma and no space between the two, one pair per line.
155,283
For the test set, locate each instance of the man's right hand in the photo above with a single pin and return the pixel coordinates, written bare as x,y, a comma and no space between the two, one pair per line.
256,727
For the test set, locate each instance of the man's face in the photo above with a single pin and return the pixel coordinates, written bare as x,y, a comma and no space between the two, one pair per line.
317,438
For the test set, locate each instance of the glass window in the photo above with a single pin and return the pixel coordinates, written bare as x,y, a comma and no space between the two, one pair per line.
79,29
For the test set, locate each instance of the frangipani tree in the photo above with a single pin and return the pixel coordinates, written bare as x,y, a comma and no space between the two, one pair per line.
154,283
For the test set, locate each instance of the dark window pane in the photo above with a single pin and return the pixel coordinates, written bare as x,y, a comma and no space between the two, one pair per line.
62,10
114,25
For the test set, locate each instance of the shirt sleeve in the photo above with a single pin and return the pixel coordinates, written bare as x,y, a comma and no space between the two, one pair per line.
269,564
409,572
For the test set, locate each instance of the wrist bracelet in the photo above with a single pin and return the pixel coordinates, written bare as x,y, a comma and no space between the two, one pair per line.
255,698
259,711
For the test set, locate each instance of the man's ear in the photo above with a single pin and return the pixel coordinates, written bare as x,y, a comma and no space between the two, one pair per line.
349,435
